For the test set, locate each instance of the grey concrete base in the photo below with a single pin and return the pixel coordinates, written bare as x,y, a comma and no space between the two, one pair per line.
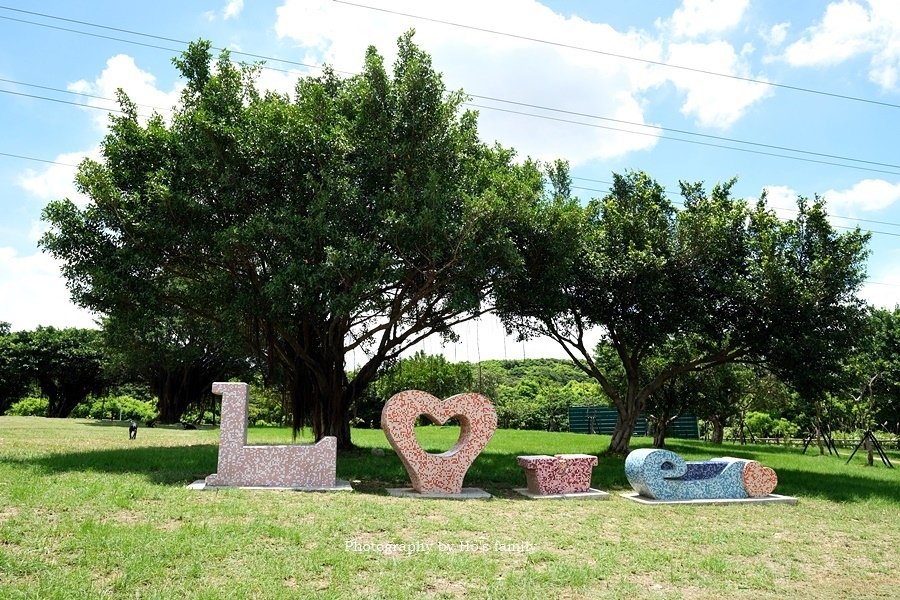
465,494
770,499
591,494
340,485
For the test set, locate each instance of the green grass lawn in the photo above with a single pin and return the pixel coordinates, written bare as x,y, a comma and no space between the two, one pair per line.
84,513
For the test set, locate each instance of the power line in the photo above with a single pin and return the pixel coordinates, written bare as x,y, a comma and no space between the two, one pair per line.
686,141
494,99
684,131
623,56
140,34
41,160
892,234
669,193
48,99
512,102
83,94
54,162
537,116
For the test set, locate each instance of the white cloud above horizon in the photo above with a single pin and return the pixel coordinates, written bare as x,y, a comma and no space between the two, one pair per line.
849,29
882,287
868,195
57,181
542,75
232,9
33,293
121,71
695,18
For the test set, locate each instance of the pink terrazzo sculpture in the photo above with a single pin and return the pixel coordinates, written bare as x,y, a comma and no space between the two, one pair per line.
438,472
295,466
560,474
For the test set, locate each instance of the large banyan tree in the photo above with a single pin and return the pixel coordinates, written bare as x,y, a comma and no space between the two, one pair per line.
357,214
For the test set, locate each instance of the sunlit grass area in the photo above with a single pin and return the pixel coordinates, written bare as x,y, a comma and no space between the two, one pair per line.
86,513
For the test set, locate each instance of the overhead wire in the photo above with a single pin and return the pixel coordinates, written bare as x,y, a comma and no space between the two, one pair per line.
479,106
621,56
502,100
583,188
671,194
892,234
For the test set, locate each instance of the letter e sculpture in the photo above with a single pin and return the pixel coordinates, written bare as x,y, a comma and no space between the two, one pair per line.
663,475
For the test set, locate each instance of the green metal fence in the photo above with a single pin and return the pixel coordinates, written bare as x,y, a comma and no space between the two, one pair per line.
602,420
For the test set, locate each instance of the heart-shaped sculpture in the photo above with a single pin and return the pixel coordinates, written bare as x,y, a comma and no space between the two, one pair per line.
759,481
438,472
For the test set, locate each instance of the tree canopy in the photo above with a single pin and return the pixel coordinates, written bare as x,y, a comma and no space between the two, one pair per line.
359,214
67,364
725,280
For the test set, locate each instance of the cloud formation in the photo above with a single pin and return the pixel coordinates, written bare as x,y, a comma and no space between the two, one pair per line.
232,9
32,293
543,74
849,29
695,18
868,195
122,72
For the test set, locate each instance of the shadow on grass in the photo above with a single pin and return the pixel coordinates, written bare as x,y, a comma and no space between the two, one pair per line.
492,470
835,487
165,465
495,471
141,425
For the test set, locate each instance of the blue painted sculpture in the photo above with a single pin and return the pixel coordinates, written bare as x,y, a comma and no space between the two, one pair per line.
663,475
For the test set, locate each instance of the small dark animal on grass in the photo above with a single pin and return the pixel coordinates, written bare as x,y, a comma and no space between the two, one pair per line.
132,430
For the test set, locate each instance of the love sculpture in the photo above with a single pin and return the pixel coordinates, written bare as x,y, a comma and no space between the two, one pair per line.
663,475
310,466
438,473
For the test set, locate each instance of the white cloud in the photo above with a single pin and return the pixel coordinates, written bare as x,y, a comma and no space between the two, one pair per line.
57,181
776,35
33,292
500,67
122,72
699,17
868,195
781,199
715,103
508,68
232,9
849,29
882,288
845,31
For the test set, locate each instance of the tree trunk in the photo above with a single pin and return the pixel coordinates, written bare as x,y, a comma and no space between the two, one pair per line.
629,411
820,434
718,432
172,396
659,436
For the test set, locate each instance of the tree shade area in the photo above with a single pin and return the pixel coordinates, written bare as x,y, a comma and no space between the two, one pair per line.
681,291
361,214
264,235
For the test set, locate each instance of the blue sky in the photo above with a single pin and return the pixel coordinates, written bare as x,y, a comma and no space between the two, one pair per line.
845,48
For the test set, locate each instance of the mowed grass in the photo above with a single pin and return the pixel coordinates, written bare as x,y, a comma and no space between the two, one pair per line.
86,513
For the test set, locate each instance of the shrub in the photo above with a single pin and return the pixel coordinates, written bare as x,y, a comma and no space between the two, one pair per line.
759,424
117,407
29,407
